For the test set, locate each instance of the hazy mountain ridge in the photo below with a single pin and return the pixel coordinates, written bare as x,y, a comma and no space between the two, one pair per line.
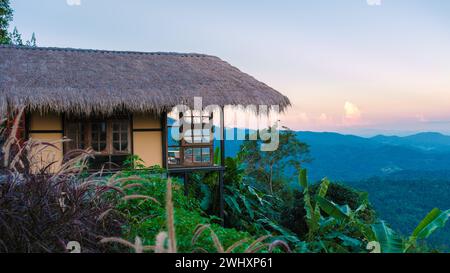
426,141
349,157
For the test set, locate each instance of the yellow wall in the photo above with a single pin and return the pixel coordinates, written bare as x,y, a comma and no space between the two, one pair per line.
49,121
143,121
44,155
148,145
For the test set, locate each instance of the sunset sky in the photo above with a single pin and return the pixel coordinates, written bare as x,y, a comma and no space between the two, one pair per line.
352,66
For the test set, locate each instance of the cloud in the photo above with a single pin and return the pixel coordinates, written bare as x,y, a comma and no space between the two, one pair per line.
73,2
351,111
323,117
352,114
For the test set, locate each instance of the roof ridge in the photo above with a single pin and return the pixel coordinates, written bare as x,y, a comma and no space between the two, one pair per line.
68,49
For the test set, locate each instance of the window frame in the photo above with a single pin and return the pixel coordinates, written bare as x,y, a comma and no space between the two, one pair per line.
184,145
109,150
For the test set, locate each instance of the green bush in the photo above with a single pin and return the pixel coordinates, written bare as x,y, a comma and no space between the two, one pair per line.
293,216
147,218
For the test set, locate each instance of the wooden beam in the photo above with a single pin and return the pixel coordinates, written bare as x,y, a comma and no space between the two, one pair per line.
222,163
164,135
221,201
177,170
46,132
186,183
222,137
148,130
132,133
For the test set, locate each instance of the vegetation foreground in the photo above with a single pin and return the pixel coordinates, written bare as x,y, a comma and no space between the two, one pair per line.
143,211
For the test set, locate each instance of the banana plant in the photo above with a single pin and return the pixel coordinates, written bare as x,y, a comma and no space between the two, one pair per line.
346,216
435,220
313,217
388,240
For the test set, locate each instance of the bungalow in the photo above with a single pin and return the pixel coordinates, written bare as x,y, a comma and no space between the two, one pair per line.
117,102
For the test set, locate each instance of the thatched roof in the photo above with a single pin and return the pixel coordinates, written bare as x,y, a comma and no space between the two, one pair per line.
86,81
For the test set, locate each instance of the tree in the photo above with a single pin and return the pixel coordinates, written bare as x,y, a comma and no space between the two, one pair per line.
5,18
32,41
271,168
14,38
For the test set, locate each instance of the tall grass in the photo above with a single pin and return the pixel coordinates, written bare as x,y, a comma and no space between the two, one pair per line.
42,208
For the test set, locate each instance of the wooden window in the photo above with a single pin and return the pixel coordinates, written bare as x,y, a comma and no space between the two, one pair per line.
98,138
110,139
75,131
120,136
196,145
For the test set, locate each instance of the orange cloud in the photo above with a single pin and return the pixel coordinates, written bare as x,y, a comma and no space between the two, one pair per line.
352,114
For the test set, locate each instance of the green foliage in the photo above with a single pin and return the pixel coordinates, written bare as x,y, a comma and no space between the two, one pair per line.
133,162
246,207
312,212
15,38
434,220
204,186
147,218
32,42
389,240
403,199
234,173
267,169
6,16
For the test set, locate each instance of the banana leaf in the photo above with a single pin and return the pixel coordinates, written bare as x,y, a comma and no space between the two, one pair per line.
390,241
434,220
232,203
323,188
248,206
332,209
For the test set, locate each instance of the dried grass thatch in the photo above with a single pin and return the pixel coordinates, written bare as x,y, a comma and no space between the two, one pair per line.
93,81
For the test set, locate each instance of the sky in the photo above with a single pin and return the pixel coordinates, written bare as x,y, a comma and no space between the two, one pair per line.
361,67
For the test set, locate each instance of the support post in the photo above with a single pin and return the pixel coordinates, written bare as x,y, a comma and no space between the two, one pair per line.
186,183
222,137
221,193
164,136
222,163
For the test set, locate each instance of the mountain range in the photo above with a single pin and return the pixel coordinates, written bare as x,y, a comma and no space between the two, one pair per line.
348,157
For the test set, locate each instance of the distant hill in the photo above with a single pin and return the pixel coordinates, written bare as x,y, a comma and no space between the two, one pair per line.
348,157
423,141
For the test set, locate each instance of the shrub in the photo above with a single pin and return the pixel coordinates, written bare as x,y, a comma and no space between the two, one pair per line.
293,217
42,211
147,218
